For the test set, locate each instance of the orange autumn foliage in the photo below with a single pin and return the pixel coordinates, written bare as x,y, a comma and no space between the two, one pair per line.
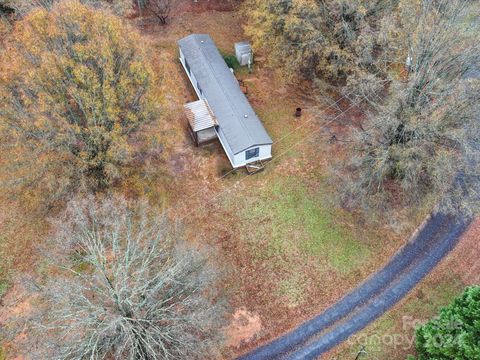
75,89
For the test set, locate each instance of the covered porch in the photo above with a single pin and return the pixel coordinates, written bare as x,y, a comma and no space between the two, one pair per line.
201,122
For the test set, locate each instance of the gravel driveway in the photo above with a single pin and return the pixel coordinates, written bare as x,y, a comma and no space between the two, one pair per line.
370,299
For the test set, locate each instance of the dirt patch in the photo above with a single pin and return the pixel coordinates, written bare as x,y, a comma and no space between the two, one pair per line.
244,327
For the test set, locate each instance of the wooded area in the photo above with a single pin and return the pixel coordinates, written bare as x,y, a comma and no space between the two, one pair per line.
407,64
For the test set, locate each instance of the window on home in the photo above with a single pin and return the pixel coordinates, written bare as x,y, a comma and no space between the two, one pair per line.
252,153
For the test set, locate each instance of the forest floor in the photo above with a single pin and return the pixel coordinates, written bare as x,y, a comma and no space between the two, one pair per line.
286,250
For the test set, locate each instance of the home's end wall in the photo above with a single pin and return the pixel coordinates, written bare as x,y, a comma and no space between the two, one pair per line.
239,160
264,153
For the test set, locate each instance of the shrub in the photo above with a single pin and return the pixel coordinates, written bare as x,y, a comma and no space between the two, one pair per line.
231,61
455,333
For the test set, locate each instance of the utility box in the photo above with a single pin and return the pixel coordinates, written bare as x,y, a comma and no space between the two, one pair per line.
244,53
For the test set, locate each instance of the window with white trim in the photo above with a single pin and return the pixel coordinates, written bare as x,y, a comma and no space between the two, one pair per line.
252,153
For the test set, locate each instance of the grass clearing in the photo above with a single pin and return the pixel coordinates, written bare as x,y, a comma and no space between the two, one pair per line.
293,288
292,234
290,222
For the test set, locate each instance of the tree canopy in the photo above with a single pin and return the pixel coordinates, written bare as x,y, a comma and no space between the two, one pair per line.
417,141
455,333
332,39
125,287
421,139
76,88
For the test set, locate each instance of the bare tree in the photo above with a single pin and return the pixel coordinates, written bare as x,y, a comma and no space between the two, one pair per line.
125,289
161,9
420,142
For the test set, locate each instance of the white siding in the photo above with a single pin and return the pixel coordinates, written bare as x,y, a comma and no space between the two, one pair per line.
225,146
265,153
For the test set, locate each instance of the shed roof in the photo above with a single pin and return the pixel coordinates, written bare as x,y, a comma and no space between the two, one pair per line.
199,115
243,47
236,118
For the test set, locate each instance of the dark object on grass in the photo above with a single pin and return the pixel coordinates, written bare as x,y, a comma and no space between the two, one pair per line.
243,87
298,112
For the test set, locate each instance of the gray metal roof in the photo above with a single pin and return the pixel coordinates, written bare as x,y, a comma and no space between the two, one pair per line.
236,118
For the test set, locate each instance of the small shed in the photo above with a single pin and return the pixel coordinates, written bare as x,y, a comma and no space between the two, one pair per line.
201,122
244,53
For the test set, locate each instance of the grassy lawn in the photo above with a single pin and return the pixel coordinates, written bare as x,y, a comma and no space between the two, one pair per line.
287,227
292,222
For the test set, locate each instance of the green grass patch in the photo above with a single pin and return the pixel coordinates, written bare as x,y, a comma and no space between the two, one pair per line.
231,61
294,236
293,288
285,221
4,282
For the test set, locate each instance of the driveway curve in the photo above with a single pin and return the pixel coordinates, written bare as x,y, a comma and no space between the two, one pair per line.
370,299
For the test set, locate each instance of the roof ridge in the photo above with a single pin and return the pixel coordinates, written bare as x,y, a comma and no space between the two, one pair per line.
234,109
